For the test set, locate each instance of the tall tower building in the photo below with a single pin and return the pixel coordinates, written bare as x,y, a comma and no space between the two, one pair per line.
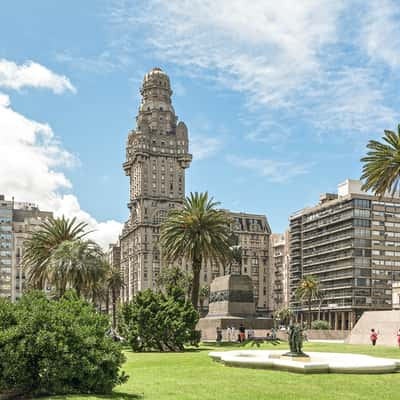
157,154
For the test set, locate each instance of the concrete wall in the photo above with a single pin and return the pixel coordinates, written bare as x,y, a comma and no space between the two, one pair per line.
387,323
316,334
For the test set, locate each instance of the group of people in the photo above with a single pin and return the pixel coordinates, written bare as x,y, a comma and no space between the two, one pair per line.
233,335
242,334
374,337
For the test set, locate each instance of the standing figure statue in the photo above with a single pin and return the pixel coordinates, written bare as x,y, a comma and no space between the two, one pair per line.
236,253
295,339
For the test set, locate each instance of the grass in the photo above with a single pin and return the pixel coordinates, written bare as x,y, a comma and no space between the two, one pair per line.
193,375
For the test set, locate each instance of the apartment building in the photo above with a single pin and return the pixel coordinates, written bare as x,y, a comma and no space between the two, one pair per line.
17,222
350,241
279,277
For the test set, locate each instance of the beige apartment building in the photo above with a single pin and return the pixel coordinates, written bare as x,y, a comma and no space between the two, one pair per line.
350,241
157,156
279,254
17,222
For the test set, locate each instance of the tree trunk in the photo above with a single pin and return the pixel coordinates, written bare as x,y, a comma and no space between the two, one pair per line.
114,311
197,261
309,312
108,302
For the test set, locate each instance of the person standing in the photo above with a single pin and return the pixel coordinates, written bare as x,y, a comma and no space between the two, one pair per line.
219,334
233,334
373,337
229,333
398,337
242,333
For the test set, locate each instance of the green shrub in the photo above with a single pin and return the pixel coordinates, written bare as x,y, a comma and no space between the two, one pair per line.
155,321
320,325
56,347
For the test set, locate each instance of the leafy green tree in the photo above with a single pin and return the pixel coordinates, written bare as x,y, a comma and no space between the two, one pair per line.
171,277
39,248
199,233
381,169
320,324
50,347
308,290
155,321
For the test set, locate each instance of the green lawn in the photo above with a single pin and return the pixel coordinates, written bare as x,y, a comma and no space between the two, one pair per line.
192,375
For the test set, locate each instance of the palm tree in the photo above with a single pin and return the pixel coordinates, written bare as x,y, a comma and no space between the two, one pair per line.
114,284
77,264
308,290
198,232
381,169
38,249
284,315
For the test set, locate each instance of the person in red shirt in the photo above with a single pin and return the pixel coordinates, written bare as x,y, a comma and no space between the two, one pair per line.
373,337
398,337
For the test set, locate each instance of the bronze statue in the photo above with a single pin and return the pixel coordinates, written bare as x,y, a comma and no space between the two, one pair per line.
236,252
295,338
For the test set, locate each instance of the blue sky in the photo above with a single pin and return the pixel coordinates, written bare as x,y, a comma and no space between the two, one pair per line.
280,98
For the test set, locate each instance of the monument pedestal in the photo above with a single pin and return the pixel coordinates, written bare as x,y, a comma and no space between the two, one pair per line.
231,304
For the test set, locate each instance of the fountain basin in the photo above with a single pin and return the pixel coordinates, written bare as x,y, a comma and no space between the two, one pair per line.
317,363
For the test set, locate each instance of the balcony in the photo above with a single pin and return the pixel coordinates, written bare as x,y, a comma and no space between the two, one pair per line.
334,239
329,260
333,249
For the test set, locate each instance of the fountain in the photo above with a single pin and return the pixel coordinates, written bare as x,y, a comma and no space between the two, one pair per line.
313,362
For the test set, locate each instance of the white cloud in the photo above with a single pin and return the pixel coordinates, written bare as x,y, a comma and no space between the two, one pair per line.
31,158
32,74
353,102
203,147
300,58
381,32
275,171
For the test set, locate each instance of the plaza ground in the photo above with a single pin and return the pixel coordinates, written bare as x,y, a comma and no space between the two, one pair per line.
193,375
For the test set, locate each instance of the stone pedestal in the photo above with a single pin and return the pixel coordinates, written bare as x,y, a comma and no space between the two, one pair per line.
232,304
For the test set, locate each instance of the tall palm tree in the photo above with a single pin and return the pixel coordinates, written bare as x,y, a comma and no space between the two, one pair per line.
77,264
114,283
38,249
198,232
308,290
381,169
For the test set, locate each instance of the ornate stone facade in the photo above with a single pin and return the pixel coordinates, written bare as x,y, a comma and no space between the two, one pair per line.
157,155
156,158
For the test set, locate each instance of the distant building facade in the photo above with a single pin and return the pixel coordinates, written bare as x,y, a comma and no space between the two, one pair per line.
17,222
350,241
157,156
279,255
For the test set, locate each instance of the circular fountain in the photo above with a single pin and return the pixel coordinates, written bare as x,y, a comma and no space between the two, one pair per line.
313,362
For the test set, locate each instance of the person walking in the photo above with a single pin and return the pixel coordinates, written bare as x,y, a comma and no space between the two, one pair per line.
373,337
398,337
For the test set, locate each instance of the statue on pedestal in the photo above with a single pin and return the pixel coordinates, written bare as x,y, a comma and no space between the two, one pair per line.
295,338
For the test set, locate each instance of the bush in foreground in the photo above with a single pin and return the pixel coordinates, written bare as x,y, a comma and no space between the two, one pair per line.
320,325
155,321
56,347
